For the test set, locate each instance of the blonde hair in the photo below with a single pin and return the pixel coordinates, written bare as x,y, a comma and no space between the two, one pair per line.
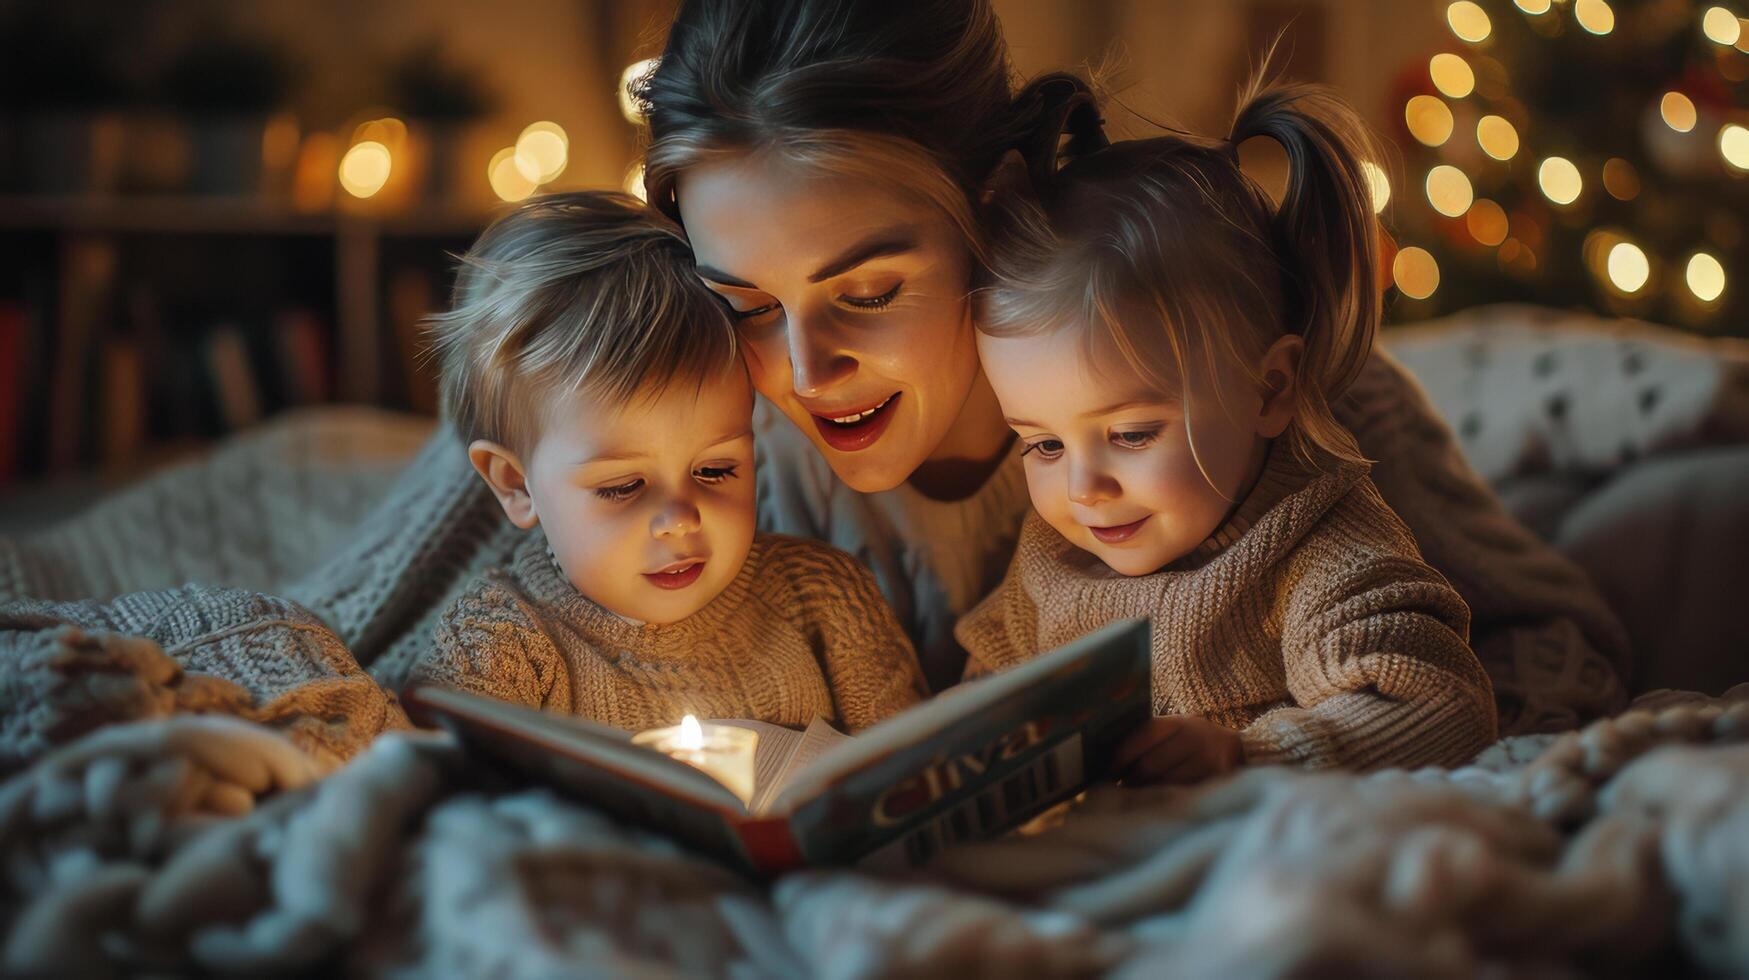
586,291
1169,256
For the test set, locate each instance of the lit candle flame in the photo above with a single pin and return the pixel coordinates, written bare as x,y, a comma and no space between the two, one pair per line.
691,737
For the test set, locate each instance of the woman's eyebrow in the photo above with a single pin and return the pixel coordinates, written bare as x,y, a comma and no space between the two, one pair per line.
890,241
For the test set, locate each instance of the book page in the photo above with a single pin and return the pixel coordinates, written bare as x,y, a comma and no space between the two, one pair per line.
771,757
815,741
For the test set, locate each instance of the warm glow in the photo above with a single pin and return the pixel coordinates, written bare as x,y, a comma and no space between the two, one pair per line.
1378,184
1743,35
634,183
1594,15
388,131
1449,191
1560,180
1620,179
1706,277
1533,6
628,103
691,737
365,168
1721,25
1497,137
1468,21
1734,146
1429,119
1452,75
507,179
1487,222
1628,268
1415,272
1678,111
542,151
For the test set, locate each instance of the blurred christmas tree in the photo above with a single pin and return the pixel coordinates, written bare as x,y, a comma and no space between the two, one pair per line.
1580,153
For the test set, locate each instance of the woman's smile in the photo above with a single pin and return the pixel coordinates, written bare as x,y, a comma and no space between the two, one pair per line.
854,430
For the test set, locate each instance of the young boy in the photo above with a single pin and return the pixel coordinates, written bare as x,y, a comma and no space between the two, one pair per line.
597,387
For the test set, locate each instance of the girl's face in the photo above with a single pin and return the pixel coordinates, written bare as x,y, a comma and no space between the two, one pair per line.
1108,458
852,308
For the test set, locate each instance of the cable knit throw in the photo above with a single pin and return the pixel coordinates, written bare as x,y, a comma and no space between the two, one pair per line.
1621,848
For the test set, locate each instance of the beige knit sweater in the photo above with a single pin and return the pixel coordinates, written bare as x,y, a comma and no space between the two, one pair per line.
1308,622
801,632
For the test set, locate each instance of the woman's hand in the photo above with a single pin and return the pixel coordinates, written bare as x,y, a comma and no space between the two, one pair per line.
1178,749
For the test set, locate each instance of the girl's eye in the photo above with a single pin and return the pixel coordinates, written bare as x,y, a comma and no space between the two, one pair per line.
1045,448
714,474
1137,439
621,491
880,302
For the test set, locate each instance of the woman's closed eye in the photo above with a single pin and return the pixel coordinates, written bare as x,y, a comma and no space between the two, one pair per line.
1044,447
877,302
621,491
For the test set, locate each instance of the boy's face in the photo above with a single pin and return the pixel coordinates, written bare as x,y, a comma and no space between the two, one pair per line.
649,506
1108,460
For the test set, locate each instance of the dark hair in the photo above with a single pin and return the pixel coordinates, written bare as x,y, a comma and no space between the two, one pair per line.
926,81
1172,228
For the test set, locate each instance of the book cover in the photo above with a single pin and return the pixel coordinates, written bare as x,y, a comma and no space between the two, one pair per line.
970,764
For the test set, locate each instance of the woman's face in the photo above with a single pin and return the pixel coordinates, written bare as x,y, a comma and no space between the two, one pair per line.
851,306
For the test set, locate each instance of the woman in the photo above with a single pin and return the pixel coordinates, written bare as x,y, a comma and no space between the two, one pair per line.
826,158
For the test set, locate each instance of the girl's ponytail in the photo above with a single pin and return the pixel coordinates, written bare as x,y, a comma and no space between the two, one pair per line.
1057,120
1325,234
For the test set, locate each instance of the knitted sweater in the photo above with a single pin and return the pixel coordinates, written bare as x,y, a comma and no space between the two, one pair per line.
1308,622
801,632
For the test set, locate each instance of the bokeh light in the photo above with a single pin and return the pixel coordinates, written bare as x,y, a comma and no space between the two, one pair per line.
1620,179
1497,137
1429,120
1449,191
1678,111
1628,268
1560,180
1706,277
628,102
1721,26
1451,75
634,182
542,151
507,179
1415,272
1487,222
365,168
1378,185
1734,146
1469,21
1533,6
1595,16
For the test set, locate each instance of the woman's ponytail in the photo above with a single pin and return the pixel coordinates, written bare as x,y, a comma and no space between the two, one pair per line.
1326,234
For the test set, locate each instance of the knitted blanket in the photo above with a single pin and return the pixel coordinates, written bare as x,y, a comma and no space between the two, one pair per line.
1621,848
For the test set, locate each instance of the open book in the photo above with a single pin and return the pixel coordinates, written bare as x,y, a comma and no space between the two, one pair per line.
969,764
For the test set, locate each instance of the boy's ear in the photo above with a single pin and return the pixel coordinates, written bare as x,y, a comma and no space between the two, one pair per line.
1281,370
1009,179
502,471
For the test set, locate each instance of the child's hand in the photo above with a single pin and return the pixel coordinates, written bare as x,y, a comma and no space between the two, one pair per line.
1178,749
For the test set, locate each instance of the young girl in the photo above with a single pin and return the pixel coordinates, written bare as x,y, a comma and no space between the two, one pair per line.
1168,345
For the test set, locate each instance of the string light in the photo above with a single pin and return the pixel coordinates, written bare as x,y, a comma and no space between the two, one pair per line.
1734,146
1595,16
1678,111
1706,277
1620,179
1560,180
507,179
542,151
1533,7
1415,272
1487,222
1449,191
1451,75
1429,120
1497,138
1469,21
365,168
1721,26
629,106
1628,267
1378,185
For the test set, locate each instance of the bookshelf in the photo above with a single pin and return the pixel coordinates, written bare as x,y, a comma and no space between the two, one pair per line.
135,327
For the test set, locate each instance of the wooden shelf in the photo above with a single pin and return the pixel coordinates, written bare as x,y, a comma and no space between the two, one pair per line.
191,215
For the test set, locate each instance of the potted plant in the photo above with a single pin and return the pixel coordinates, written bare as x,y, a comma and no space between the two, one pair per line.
59,95
225,86
440,97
